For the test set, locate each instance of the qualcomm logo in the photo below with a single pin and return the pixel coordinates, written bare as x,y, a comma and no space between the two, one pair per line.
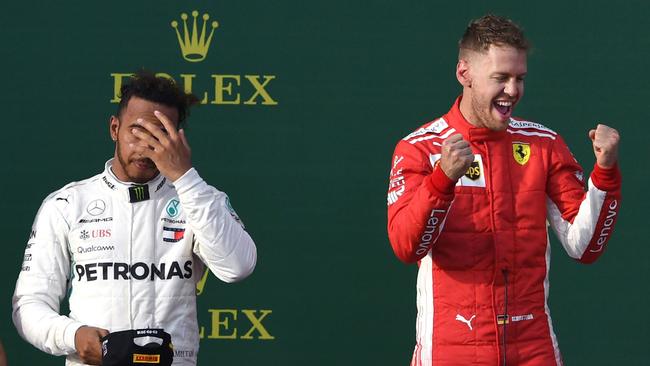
194,46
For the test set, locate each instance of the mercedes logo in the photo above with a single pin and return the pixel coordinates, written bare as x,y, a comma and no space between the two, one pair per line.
96,207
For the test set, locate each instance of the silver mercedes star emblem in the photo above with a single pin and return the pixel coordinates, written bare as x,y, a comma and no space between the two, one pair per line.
96,207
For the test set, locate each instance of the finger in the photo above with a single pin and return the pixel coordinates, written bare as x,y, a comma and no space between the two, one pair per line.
592,135
155,130
144,150
181,132
169,125
102,332
453,138
462,144
147,138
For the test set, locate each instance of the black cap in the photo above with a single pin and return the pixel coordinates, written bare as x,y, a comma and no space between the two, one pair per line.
120,349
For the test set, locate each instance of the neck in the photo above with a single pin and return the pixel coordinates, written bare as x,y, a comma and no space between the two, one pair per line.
466,109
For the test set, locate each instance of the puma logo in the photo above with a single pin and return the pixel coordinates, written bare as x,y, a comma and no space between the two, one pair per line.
461,318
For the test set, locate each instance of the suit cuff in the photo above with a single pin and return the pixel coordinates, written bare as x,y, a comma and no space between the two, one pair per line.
439,183
69,336
187,181
607,180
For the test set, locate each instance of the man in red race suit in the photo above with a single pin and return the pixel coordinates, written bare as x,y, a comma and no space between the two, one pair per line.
469,199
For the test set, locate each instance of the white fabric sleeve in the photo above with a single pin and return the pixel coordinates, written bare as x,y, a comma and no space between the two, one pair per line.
42,284
575,236
220,239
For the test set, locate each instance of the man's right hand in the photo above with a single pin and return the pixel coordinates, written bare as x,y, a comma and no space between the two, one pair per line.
88,346
456,157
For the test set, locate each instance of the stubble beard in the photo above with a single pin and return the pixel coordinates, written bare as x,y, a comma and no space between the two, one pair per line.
481,114
124,163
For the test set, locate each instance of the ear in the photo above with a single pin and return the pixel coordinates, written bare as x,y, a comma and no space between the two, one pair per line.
462,73
114,126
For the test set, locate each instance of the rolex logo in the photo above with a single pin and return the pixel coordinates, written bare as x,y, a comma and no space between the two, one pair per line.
194,46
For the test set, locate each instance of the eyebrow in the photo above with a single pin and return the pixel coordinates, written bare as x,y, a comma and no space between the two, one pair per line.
507,74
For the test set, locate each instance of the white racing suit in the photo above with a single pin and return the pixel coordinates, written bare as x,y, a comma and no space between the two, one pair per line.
131,257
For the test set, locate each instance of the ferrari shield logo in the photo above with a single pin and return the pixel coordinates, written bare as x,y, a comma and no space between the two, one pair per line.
521,152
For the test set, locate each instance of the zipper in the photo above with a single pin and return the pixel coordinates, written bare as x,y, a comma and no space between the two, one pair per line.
505,312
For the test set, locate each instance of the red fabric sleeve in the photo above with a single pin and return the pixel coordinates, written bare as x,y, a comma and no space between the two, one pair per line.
419,198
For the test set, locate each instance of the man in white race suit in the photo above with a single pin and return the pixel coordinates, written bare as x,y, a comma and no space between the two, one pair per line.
131,242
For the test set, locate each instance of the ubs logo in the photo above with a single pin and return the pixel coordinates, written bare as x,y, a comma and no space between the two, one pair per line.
95,234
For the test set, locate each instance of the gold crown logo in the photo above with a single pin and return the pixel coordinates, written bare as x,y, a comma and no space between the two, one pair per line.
194,47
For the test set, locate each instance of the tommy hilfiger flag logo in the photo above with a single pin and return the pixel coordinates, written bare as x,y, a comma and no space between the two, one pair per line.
173,234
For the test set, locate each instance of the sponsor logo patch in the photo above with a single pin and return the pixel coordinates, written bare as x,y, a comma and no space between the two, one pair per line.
521,152
173,208
233,213
161,184
474,176
95,233
172,234
95,248
96,207
437,126
139,358
90,221
397,184
108,184
138,271
507,319
474,171
138,193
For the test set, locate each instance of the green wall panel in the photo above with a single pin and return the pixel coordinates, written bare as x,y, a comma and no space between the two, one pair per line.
307,167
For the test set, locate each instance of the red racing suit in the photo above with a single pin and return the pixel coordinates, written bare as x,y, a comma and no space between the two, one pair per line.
482,242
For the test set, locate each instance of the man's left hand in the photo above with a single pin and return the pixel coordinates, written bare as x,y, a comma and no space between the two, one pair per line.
167,148
605,140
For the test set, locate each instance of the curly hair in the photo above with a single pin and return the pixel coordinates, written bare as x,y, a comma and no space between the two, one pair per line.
146,85
492,30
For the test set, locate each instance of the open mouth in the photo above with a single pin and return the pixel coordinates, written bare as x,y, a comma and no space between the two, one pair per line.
503,107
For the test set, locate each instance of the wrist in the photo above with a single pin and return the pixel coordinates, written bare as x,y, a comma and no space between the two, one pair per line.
174,176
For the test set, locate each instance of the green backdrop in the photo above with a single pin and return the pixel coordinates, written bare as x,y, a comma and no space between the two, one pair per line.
309,174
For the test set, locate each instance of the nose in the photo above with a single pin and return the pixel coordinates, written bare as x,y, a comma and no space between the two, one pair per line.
511,88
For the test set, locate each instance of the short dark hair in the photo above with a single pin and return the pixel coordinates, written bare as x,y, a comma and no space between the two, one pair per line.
492,30
146,85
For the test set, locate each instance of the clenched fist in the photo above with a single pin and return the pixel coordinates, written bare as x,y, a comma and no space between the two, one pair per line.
456,156
87,344
605,140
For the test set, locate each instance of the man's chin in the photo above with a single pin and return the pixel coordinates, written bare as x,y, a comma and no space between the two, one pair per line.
142,175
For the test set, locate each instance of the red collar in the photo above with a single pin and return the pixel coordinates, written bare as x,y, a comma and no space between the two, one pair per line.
470,132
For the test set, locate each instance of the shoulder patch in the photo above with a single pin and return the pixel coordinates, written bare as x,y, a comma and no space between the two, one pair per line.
436,127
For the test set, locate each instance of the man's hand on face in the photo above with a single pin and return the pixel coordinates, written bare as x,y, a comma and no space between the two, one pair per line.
87,344
169,149
605,140
456,157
